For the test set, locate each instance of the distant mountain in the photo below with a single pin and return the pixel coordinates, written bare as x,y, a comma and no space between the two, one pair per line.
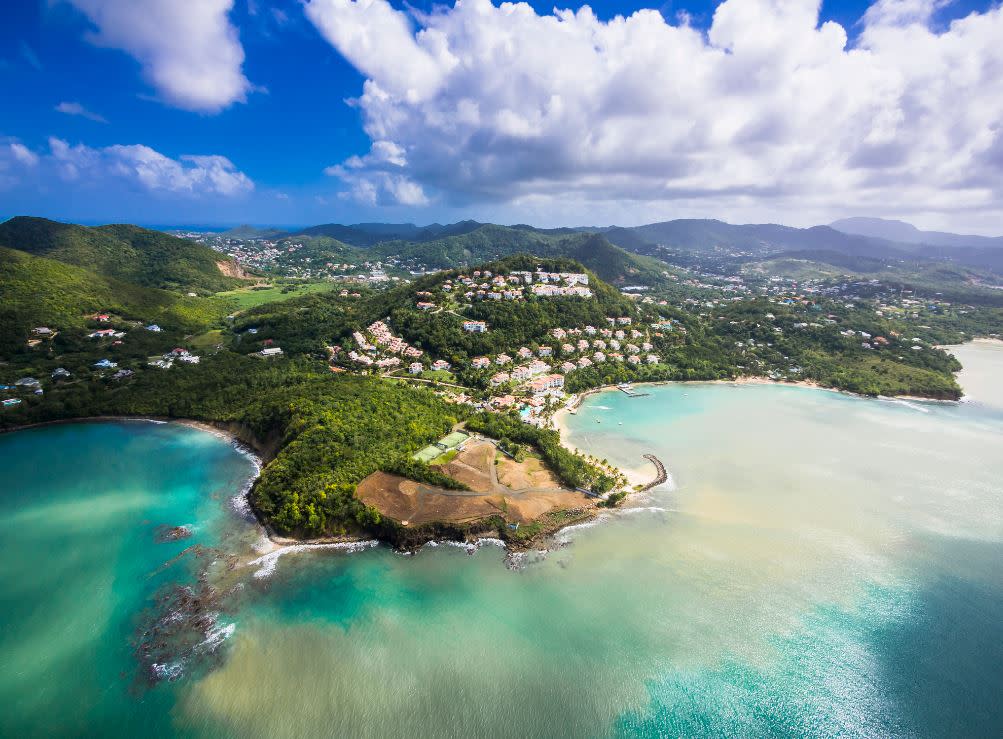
253,232
703,234
124,252
881,228
369,234
489,242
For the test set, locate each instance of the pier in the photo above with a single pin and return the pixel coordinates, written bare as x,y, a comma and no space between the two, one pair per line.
662,474
630,392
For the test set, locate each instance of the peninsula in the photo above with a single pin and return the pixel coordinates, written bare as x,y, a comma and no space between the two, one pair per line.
407,389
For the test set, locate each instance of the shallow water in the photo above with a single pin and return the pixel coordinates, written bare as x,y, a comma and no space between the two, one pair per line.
822,565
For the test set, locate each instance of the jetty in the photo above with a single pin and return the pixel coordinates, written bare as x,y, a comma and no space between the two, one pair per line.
662,474
630,392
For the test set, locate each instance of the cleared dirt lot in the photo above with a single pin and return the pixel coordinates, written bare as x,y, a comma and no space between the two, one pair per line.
525,491
529,474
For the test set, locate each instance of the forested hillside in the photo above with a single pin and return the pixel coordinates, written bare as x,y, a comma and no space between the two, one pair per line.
124,252
35,291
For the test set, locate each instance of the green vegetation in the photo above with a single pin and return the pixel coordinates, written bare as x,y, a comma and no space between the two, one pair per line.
137,255
572,469
44,292
253,296
324,432
330,432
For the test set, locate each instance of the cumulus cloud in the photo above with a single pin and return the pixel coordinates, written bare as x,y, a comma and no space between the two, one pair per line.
22,154
484,104
80,110
15,160
136,166
189,51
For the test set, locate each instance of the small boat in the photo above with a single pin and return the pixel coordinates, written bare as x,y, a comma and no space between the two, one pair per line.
619,423
598,421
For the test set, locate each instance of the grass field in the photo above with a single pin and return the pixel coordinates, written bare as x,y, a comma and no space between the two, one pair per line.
207,341
250,297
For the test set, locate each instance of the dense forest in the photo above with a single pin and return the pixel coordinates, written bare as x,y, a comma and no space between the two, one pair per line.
124,252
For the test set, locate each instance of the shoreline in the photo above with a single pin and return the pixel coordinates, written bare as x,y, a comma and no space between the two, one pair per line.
559,419
276,544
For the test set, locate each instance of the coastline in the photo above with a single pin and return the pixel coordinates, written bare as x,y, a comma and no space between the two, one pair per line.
559,419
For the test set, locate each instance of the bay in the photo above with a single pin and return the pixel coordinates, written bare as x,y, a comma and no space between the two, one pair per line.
819,564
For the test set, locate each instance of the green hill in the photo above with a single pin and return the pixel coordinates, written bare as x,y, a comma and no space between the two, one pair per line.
37,291
489,242
137,255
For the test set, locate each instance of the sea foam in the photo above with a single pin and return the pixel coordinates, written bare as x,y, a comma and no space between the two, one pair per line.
267,563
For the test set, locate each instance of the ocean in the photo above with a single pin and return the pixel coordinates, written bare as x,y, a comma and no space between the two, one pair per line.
818,564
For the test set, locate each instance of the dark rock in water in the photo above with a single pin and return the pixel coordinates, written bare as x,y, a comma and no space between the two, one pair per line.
183,627
166,533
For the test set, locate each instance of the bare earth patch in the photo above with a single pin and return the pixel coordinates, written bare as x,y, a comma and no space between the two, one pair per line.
525,491
528,474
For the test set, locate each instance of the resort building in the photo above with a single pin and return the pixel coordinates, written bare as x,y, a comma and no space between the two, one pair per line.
477,327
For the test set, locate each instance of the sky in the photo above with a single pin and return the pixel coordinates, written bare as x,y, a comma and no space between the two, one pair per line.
296,112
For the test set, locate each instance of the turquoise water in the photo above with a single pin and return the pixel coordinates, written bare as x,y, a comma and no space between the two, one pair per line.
819,565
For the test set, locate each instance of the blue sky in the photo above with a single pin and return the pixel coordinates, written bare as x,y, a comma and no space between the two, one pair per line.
114,115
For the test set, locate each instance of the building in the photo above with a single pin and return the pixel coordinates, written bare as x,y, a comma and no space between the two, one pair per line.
105,364
568,367
441,364
477,327
268,351
425,306
634,359
416,368
545,351
156,329
499,379
480,362
503,359
545,383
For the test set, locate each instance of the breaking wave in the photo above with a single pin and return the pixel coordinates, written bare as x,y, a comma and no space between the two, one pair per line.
267,563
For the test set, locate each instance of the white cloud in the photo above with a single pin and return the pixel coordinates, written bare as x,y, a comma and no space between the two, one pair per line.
766,112
141,166
189,50
15,161
80,110
22,154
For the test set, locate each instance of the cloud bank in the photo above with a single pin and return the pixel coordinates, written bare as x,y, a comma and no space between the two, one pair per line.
134,166
188,49
480,104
